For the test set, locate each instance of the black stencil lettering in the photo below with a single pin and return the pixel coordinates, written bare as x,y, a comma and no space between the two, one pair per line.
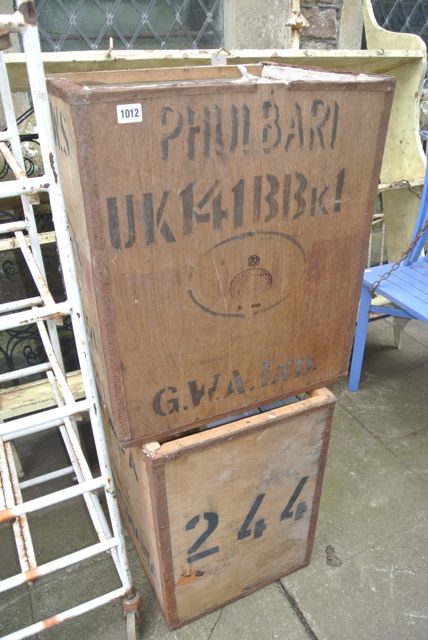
309,365
321,203
131,465
270,198
318,200
265,372
149,219
197,393
257,201
246,127
298,196
288,513
339,191
191,135
172,134
271,132
189,214
314,192
301,509
238,204
205,198
299,366
218,132
334,125
260,525
318,128
159,402
212,519
187,203
54,114
235,128
281,372
218,213
207,132
286,195
131,221
60,137
66,148
235,383
213,388
113,222
295,125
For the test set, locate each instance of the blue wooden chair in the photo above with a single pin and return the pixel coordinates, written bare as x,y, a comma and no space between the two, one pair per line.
405,285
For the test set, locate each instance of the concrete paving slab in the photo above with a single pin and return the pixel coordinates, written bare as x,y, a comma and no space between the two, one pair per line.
418,331
380,593
15,611
392,401
69,528
368,492
9,565
264,615
368,575
412,451
73,586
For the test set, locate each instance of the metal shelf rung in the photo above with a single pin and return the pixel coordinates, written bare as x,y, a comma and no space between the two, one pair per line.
10,513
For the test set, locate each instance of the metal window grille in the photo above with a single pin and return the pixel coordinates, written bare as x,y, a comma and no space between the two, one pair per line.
66,25
408,16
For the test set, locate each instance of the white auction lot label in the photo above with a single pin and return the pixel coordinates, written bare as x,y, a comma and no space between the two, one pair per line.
129,113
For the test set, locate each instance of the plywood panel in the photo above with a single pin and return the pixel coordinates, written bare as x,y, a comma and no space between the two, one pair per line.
231,508
227,224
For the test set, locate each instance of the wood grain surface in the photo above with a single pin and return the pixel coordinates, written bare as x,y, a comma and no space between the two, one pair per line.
221,228
220,513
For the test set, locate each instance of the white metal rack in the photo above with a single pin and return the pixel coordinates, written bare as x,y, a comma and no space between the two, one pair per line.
46,314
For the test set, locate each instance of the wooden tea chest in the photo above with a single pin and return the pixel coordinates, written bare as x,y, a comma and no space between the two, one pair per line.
220,219
218,514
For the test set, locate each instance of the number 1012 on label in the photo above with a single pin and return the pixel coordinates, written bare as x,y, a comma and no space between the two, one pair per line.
129,113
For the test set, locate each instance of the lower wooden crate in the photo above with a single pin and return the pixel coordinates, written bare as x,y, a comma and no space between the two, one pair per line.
222,512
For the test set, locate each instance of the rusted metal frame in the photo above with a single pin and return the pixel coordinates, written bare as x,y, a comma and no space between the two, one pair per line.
54,565
24,372
10,513
16,163
80,465
7,244
17,169
2,495
11,492
47,145
9,307
66,395
69,614
38,277
33,315
48,419
31,424
46,477
11,227
23,539
12,188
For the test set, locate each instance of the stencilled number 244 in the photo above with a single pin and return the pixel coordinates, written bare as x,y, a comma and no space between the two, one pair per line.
209,521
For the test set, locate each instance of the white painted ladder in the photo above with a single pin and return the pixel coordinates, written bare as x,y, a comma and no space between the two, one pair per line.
46,314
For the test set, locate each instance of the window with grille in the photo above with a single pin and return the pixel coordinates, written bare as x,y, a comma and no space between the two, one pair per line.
410,16
67,25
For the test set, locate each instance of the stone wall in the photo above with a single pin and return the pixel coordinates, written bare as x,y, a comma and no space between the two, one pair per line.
324,20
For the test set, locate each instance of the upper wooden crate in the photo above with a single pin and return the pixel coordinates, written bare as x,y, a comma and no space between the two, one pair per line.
220,218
